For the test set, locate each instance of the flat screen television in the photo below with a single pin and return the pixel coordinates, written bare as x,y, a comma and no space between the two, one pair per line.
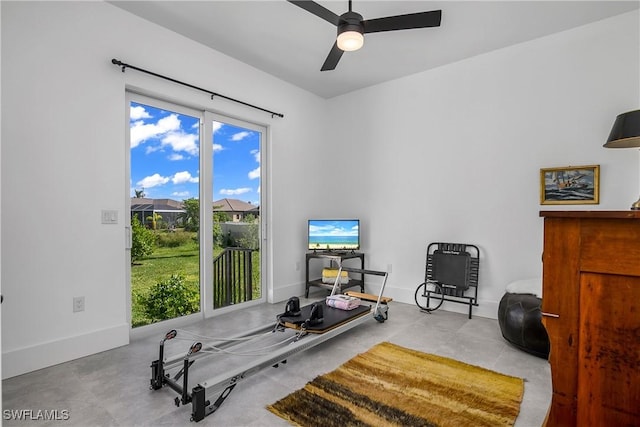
334,235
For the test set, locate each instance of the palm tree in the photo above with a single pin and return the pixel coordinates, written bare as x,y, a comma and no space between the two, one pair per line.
140,193
155,220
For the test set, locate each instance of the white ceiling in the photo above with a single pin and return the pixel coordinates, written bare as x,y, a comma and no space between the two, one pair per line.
290,43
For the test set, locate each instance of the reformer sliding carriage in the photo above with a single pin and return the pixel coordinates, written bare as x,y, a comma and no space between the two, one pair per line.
295,330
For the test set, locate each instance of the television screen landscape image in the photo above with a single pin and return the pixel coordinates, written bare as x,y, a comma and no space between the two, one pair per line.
334,234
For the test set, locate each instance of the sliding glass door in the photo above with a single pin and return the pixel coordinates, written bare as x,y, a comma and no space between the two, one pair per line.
165,214
196,220
236,186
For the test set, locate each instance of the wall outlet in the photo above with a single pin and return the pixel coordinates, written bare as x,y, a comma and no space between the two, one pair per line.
78,304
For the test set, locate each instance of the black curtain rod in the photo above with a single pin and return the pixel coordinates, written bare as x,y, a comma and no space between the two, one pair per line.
213,94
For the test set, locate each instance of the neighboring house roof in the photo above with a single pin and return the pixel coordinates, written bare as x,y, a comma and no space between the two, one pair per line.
234,205
139,204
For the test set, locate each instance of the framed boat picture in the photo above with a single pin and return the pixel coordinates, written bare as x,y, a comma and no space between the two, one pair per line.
570,185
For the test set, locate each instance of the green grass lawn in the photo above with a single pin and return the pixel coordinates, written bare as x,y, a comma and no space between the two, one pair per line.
165,261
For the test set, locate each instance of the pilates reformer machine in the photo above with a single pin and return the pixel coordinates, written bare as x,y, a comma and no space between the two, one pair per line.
295,330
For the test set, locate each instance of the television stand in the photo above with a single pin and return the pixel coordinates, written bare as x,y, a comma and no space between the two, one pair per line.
338,258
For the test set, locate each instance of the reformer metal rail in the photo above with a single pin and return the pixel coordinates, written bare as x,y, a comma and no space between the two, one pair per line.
380,312
294,340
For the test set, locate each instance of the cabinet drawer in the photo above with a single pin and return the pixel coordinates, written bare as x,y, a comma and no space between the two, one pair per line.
611,247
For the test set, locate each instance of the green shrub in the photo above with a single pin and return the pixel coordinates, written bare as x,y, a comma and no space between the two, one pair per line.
190,218
218,237
218,219
250,237
173,239
171,298
143,241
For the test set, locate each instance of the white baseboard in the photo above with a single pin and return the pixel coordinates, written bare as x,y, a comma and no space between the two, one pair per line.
484,308
28,359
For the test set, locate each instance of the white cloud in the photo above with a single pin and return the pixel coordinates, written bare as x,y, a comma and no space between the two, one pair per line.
180,141
152,181
254,173
234,192
256,155
217,126
140,131
182,194
240,135
137,113
182,177
217,147
150,149
175,157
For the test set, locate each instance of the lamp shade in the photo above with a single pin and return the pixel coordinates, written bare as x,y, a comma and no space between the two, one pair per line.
626,131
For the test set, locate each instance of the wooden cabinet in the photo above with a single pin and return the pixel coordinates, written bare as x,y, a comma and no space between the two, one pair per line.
591,310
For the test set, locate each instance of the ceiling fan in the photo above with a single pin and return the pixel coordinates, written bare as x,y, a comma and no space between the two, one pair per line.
351,27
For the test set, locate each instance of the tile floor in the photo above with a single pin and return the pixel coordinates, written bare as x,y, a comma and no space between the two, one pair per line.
112,388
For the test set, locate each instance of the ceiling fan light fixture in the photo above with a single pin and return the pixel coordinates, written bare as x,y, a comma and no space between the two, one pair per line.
352,27
350,40
350,32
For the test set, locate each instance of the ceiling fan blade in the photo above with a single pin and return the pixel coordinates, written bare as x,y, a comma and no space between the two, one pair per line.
316,9
403,22
332,59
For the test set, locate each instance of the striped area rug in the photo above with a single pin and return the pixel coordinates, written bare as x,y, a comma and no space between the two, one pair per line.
391,385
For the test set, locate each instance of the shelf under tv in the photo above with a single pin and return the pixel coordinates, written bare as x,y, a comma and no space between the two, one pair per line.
333,252
337,258
329,286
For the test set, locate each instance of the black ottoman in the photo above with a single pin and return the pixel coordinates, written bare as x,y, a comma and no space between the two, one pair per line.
520,321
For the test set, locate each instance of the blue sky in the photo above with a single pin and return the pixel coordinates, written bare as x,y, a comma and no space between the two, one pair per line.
165,157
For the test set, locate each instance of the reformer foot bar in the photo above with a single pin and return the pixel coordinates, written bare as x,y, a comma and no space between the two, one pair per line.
284,338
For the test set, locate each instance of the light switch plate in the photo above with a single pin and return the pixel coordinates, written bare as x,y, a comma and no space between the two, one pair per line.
109,216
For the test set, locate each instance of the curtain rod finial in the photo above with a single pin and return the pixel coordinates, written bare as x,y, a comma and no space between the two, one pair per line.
115,61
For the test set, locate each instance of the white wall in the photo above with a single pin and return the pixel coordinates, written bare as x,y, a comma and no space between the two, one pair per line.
450,154
454,154
63,143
